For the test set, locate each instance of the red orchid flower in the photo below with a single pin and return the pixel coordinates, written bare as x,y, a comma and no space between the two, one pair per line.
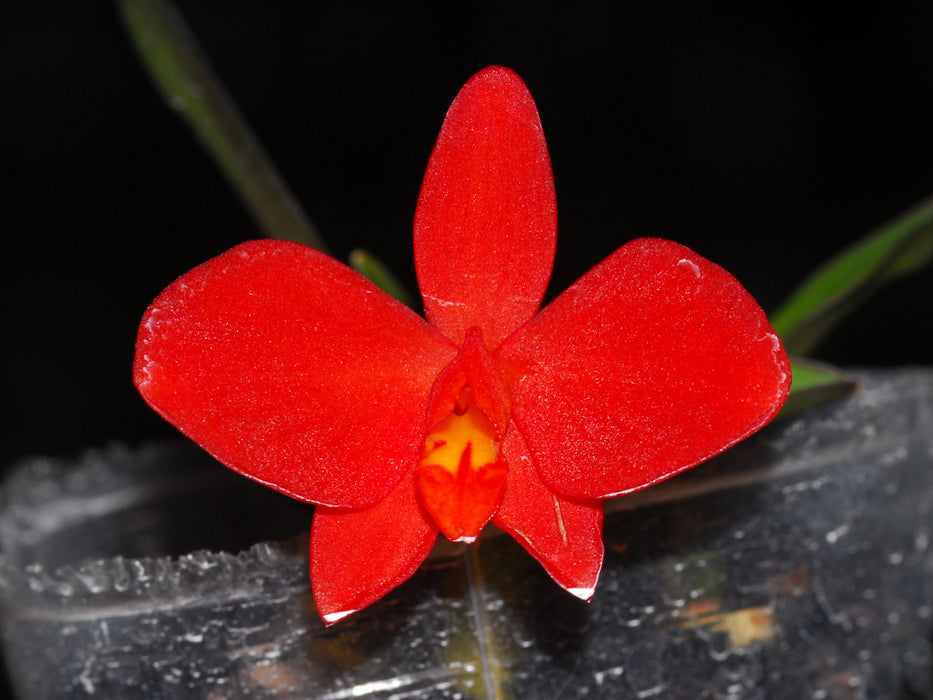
296,371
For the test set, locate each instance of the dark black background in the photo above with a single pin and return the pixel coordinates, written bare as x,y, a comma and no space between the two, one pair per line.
766,138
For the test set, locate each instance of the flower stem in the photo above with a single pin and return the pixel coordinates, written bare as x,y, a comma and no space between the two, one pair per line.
179,68
379,274
489,662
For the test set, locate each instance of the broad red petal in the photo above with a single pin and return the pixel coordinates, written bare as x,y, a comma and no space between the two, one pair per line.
564,535
359,556
293,370
486,222
652,362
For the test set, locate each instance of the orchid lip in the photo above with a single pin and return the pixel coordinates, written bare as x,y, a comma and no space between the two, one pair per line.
461,476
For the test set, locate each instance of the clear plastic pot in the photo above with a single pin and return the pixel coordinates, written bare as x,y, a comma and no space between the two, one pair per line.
799,564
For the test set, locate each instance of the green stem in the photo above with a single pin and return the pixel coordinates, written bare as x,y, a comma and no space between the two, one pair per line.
489,660
376,272
182,73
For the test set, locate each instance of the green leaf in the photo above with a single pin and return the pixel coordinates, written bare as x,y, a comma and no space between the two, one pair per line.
815,384
835,289
178,67
376,272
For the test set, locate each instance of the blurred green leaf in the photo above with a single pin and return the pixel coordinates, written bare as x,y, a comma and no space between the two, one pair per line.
178,67
376,272
835,289
814,384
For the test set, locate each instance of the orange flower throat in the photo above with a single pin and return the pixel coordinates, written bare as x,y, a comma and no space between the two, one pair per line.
462,475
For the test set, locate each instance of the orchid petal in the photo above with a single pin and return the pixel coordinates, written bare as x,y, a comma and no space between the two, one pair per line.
564,535
359,556
654,361
293,370
486,223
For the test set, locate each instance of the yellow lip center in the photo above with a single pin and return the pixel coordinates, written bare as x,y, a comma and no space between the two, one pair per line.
461,475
